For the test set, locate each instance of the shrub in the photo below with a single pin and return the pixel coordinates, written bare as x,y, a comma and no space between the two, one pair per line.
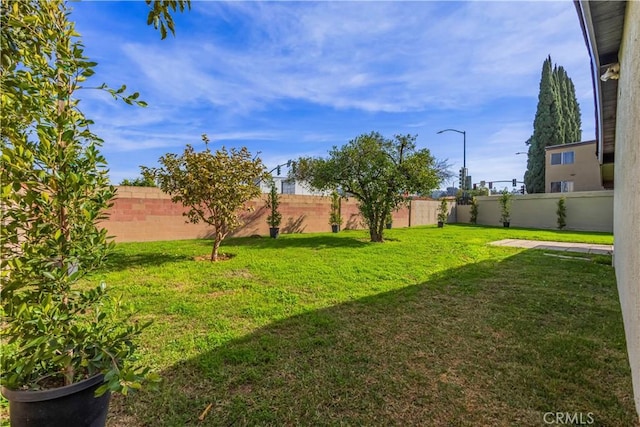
334,215
443,211
505,206
273,201
474,210
562,213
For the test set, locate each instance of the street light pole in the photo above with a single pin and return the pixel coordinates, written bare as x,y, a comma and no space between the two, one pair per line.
464,144
464,153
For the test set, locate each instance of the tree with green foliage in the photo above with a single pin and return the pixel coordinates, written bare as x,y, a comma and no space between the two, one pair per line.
214,186
557,121
572,122
140,181
55,191
376,171
479,191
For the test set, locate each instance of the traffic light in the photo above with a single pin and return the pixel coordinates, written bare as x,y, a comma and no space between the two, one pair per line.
514,182
461,178
490,185
278,171
522,189
475,186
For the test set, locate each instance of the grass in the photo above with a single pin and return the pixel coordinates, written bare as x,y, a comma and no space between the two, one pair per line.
433,327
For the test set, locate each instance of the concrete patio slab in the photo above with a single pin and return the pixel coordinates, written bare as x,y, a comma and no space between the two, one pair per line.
586,248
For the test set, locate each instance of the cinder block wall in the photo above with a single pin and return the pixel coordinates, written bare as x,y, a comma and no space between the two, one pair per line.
141,214
586,210
425,212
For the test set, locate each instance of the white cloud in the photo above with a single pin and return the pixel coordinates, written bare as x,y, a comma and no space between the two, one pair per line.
390,57
242,71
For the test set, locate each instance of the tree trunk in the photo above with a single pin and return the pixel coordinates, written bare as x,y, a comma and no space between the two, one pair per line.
375,232
214,251
381,230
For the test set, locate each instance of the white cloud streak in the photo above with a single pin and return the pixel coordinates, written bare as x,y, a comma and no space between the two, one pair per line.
263,74
376,57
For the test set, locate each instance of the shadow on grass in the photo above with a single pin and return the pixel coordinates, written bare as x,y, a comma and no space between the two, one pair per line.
121,260
294,241
492,343
118,261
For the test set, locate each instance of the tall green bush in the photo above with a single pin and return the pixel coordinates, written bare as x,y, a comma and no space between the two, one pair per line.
561,213
334,215
505,206
55,191
273,202
443,211
474,210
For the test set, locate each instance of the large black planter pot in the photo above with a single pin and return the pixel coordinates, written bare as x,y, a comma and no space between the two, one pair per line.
72,405
506,224
335,228
389,226
274,232
440,224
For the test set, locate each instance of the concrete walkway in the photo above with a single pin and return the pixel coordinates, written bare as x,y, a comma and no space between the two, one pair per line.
585,248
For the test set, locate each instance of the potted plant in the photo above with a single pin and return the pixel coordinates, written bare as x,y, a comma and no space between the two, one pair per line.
474,210
63,343
443,212
274,218
335,220
561,212
505,207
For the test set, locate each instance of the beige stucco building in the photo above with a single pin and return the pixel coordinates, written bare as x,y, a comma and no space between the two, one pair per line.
612,34
572,167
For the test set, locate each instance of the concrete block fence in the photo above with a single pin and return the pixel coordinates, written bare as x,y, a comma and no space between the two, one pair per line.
586,211
142,214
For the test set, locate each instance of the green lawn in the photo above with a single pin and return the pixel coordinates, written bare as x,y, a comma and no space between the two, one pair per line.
432,327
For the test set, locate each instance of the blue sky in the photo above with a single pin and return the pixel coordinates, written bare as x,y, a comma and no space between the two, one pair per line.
296,78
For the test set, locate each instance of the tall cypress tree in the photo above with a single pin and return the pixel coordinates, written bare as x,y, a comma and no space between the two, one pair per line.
557,121
570,108
576,124
560,76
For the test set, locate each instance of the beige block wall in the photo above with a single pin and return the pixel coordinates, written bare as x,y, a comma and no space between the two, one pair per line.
586,210
425,212
463,214
627,189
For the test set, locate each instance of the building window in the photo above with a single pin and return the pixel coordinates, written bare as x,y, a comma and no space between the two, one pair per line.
288,186
565,158
562,186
